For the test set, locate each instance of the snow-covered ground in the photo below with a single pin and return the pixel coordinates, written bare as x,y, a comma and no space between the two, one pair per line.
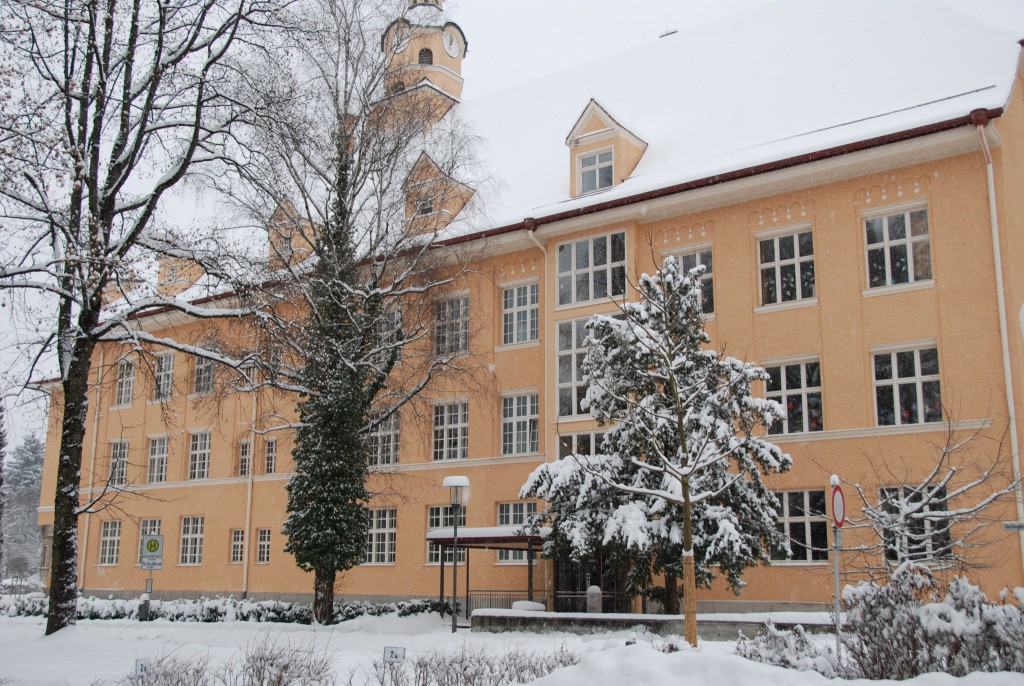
106,650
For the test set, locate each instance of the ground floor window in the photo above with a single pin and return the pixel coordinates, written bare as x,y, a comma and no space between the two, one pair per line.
803,523
440,517
381,537
110,542
918,526
514,514
191,550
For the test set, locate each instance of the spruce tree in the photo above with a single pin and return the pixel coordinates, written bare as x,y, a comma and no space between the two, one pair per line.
345,369
679,474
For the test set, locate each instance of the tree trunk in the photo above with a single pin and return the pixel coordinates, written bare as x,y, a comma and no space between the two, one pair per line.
671,593
323,595
64,557
689,570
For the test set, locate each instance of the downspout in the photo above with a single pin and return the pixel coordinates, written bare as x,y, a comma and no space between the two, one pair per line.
248,499
530,227
980,118
92,472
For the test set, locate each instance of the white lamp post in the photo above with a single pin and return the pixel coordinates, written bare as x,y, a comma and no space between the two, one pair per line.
459,487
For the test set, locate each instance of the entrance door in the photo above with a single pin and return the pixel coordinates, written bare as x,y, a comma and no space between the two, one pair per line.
574,577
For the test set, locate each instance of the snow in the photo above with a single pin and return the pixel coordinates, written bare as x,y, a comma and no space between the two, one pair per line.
107,650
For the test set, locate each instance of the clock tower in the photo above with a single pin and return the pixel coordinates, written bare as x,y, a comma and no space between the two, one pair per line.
423,46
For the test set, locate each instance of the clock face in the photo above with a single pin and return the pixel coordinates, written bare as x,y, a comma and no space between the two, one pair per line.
450,43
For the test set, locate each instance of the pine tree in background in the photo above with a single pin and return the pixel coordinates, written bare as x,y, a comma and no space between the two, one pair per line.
22,483
26,465
680,470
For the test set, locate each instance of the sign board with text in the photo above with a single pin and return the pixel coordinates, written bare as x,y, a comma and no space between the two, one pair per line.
394,654
152,552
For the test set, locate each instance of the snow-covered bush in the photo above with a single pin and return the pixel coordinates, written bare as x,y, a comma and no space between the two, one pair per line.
910,626
214,609
791,649
470,666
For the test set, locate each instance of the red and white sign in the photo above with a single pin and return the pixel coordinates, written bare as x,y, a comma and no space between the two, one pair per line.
838,507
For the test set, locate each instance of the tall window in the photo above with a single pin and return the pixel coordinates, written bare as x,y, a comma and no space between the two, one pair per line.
520,308
384,442
802,521
125,387
118,463
920,524
381,537
163,376
451,330
797,387
199,455
898,248
244,458
147,527
907,387
110,542
787,268
156,469
572,350
583,443
203,382
440,517
270,456
701,257
451,431
426,56
592,269
519,420
262,546
191,550
237,546
596,171
514,514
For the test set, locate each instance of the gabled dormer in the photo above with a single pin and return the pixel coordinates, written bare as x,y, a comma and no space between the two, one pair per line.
602,152
432,198
175,275
290,237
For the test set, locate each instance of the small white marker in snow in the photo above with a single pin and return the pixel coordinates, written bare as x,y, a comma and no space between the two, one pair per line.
141,667
394,654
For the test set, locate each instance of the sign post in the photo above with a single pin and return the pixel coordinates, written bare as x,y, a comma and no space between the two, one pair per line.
152,557
838,519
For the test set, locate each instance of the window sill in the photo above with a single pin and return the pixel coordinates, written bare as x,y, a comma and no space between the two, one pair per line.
515,563
924,284
571,419
106,564
189,564
378,564
122,406
926,427
533,453
449,459
446,564
791,305
157,401
799,563
610,299
517,346
199,395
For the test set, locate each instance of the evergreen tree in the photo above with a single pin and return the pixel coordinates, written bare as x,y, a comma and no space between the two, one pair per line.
26,465
680,470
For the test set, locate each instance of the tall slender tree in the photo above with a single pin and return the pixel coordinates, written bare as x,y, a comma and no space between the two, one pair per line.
682,457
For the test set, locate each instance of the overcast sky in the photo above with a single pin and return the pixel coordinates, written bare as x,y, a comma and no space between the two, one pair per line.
511,41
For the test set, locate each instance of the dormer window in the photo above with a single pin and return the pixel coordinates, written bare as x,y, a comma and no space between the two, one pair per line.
424,207
426,56
596,171
172,274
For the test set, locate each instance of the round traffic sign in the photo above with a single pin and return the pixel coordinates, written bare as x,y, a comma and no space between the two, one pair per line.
838,506
152,545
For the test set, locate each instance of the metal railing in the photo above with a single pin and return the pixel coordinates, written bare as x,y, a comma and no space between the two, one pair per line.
500,600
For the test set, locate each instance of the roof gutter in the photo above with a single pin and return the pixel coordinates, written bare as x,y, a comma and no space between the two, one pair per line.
827,153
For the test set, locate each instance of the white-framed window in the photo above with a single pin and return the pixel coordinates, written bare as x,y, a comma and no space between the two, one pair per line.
803,523
389,327
147,527
381,537
237,546
787,267
700,257
451,431
514,514
596,171
163,375
199,455
172,274
582,443
920,524
440,517
424,207
110,542
592,269
797,387
244,458
572,350
451,327
907,387
204,376
384,442
520,314
118,463
898,248
262,546
520,417
270,456
125,387
156,467
191,550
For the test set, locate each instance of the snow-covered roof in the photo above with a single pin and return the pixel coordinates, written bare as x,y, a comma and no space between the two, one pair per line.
784,79
488,534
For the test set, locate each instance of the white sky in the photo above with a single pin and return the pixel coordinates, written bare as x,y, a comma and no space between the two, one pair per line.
511,41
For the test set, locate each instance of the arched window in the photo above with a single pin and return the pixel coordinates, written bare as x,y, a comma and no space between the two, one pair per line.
426,56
